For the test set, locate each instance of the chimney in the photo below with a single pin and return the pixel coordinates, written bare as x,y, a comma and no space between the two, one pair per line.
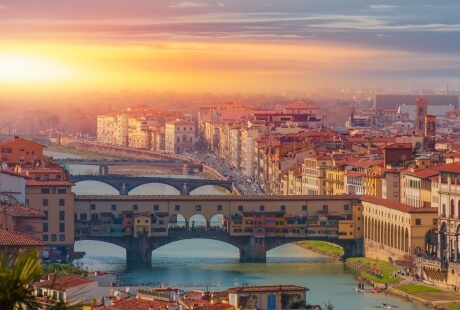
51,276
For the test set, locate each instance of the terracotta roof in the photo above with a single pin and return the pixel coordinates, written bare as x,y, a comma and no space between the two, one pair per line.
33,182
19,239
452,167
354,174
136,304
423,173
399,146
301,105
266,288
5,143
301,198
397,205
194,302
65,282
15,174
22,211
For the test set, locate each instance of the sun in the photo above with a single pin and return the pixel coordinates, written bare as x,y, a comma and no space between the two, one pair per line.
27,68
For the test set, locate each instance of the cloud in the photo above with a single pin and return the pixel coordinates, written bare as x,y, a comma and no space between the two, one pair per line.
189,4
382,7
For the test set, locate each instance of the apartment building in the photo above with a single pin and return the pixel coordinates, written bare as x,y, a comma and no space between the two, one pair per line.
49,191
180,137
21,151
314,173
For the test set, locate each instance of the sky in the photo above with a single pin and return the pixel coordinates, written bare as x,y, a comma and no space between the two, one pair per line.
229,45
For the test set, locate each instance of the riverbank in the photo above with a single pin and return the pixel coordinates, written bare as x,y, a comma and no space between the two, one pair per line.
322,247
379,273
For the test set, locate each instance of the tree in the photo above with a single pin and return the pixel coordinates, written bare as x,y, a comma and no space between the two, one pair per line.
329,306
17,271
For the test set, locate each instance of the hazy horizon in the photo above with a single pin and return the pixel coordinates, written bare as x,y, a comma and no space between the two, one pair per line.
227,46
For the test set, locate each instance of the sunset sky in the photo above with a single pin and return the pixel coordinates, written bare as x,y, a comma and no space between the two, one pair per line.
229,45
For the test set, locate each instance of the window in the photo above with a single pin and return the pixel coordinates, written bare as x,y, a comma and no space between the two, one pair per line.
45,202
53,237
198,208
304,208
283,208
47,177
177,208
418,221
46,215
45,227
262,208
45,190
240,208
62,215
219,207
45,237
61,237
61,190
325,207
346,207
61,202
135,207
395,184
114,207
83,216
435,221
27,202
61,227
93,206
138,221
156,207
395,194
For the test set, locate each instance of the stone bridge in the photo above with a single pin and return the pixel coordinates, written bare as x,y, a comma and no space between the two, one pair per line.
252,249
124,184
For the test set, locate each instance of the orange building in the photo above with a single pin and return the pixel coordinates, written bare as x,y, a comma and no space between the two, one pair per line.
21,151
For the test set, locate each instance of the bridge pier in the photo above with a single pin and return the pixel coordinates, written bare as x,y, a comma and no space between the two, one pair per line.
253,251
353,248
140,251
185,191
124,189
103,170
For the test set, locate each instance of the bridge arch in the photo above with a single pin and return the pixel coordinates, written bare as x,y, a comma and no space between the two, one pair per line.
86,187
204,186
165,189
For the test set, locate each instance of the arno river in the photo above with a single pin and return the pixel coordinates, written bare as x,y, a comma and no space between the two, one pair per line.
193,263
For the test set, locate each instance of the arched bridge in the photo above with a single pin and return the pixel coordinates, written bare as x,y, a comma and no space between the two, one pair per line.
124,184
252,249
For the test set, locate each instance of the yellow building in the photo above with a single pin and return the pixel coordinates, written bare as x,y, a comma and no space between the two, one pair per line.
394,231
142,225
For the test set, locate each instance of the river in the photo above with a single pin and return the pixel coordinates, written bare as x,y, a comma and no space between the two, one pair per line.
196,262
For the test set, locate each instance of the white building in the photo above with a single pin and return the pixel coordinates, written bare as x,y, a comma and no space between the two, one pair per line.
180,137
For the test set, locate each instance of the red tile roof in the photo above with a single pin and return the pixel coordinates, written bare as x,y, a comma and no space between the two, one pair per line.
19,239
423,173
396,205
300,105
65,282
453,167
399,146
21,211
354,174
136,304
5,143
15,174
266,288
33,182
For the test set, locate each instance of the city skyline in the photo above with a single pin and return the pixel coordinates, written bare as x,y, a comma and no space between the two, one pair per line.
228,45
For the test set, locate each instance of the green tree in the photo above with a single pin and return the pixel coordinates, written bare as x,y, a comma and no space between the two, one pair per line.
17,271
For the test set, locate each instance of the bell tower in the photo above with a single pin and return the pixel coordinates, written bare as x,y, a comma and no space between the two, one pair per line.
422,105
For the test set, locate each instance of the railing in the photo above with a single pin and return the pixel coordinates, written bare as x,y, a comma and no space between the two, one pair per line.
428,261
